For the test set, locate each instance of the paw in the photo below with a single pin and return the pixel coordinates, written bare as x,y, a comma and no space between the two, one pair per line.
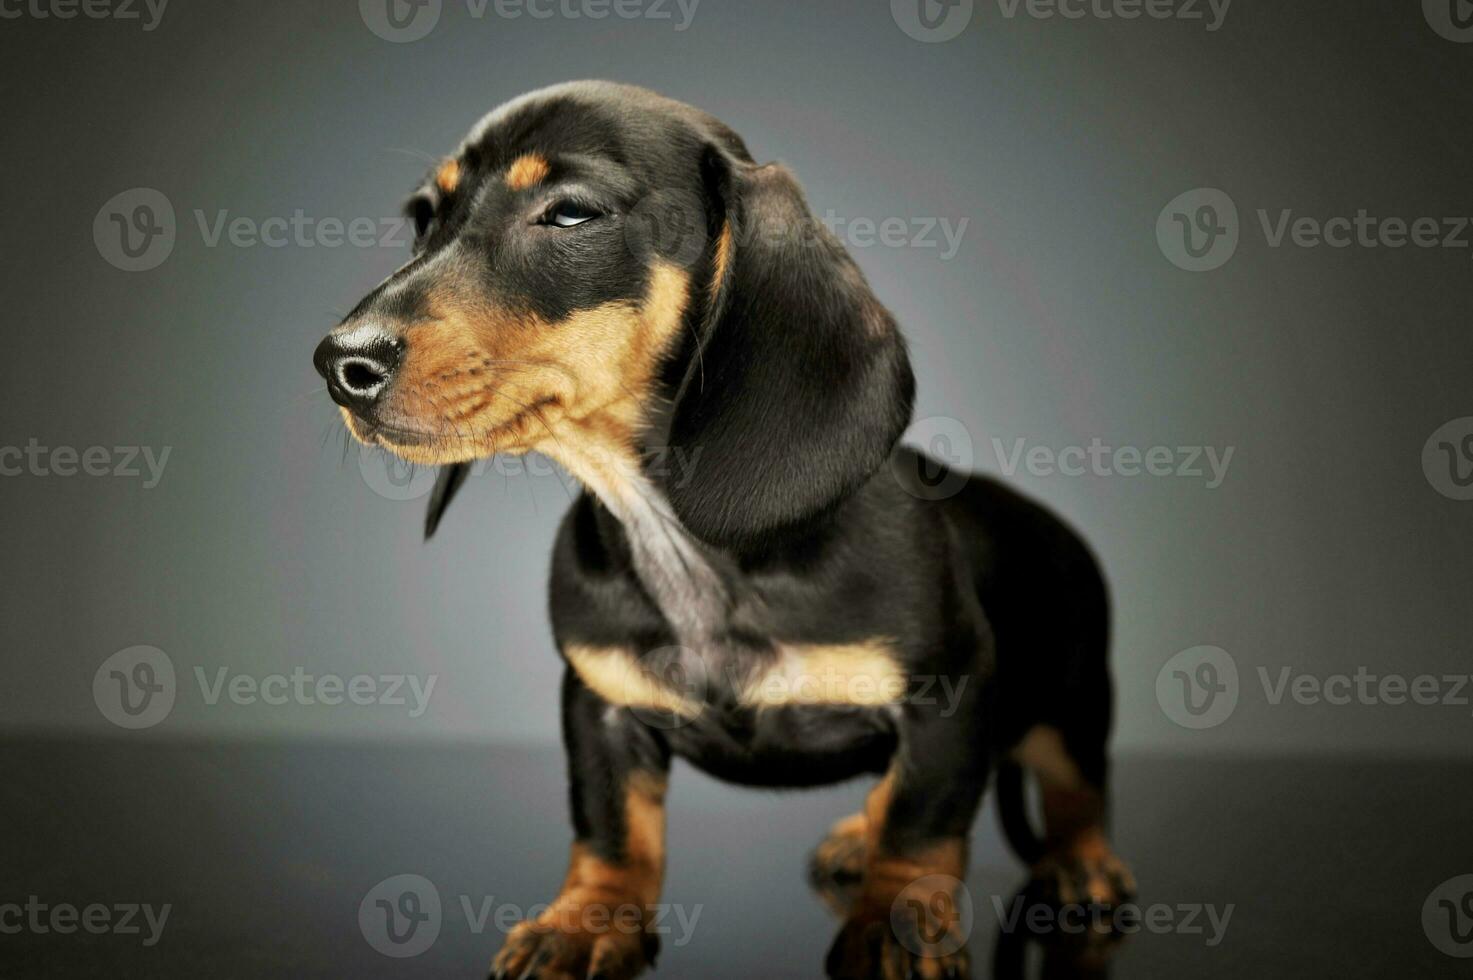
836,866
1083,949
552,950
1086,872
839,858
919,933
874,949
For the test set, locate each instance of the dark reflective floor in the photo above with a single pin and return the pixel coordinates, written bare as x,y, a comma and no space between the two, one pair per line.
264,854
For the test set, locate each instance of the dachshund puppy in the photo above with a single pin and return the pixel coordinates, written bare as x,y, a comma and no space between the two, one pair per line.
606,276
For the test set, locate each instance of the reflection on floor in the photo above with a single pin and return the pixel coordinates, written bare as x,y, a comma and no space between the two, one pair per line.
256,860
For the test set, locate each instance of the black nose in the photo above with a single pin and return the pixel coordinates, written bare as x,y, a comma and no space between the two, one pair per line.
358,365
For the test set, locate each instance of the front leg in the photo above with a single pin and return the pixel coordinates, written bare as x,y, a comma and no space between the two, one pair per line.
600,925
906,920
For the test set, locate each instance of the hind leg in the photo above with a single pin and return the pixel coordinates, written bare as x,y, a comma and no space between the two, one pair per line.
1078,865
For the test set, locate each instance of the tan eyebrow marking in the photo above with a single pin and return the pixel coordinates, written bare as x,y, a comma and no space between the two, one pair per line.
722,261
448,177
527,170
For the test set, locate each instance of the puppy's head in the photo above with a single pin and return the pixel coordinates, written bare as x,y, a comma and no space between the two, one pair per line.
599,268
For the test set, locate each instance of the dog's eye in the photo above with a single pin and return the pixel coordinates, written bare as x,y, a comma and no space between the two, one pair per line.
568,214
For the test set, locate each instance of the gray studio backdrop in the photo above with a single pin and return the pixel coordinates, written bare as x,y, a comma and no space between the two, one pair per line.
1189,229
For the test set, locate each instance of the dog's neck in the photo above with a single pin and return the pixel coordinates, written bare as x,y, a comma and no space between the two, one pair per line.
680,575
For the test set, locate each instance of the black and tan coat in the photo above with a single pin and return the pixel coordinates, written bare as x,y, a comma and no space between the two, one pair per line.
601,274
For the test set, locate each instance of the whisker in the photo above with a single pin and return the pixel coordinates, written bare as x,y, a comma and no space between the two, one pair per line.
311,394
533,412
412,152
445,412
642,403
532,496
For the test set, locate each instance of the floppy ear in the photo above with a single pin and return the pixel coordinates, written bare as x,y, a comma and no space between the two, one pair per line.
447,484
801,385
